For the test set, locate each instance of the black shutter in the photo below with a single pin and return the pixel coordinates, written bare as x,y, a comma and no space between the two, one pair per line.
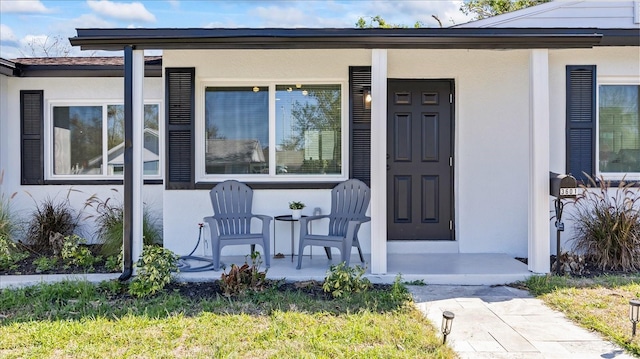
360,124
581,121
180,90
31,129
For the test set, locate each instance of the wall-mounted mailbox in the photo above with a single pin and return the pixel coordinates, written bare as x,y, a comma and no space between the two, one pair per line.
562,186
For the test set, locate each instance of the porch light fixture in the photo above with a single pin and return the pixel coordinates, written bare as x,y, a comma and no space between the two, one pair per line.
634,314
366,98
256,88
447,322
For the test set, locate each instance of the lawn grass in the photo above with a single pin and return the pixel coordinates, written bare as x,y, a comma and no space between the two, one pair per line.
600,303
82,320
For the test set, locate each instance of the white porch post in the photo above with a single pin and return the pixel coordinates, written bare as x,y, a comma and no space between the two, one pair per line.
539,242
138,145
378,161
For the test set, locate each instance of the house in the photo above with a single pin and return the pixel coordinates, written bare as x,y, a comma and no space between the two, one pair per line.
462,128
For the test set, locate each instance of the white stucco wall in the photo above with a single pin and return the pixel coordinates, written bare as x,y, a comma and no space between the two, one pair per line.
66,89
491,129
621,63
4,80
491,135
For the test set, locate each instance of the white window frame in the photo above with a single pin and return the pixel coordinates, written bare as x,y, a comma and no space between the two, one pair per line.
612,81
49,142
200,170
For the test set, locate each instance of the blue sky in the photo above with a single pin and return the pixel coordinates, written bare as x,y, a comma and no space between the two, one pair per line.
25,21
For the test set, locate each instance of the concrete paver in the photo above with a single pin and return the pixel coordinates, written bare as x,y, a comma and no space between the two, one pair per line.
504,322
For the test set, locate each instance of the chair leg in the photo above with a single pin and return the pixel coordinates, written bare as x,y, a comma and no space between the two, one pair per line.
300,251
327,250
267,253
357,243
215,253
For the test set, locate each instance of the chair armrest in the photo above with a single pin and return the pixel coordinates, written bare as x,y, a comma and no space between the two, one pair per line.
304,222
263,217
266,224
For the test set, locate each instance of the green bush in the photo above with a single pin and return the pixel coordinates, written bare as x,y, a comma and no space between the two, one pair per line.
154,271
344,280
44,264
109,219
49,218
75,253
244,278
608,225
114,263
10,253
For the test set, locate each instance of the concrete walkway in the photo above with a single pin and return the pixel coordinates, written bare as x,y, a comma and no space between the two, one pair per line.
504,322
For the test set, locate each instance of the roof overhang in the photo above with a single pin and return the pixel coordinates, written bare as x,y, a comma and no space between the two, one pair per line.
300,38
79,67
7,67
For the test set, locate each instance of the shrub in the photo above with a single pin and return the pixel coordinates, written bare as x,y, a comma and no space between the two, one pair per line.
608,226
110,225
44,264
154,271
74,253
244,278
344,280
114,263
10,253
50,217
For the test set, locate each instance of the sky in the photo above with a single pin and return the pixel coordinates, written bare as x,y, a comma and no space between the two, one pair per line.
24,22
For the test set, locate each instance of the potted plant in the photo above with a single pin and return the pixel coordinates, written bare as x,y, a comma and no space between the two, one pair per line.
296,209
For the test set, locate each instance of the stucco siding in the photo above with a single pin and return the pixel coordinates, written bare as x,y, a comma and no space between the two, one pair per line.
612,64
73,90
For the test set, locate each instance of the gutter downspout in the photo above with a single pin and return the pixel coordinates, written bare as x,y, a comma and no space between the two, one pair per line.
127,242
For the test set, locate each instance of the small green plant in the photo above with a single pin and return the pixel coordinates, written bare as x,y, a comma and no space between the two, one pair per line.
109,220
154,271
50,217
44,264
10,254
344,280
296,205
75,253
607,225
244,278
114,263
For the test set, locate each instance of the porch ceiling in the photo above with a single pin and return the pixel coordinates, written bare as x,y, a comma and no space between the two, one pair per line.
425,38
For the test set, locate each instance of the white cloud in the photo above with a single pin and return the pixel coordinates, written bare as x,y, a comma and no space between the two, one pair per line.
88,21
6,34
134,11
23,6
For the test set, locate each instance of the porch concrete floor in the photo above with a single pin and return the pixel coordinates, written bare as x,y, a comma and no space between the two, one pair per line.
454,269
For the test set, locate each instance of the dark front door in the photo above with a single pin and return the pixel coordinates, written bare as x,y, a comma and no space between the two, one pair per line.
420,159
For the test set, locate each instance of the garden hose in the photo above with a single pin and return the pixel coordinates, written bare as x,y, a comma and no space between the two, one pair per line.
184,266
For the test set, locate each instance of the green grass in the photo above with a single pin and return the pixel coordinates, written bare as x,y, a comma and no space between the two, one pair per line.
80,320
600,303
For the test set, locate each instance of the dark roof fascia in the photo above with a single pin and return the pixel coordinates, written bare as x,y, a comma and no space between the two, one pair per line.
425,38
620,37
7,67
83,70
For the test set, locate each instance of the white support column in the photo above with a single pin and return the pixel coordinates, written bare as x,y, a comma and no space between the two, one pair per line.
539,242
378,161
138,145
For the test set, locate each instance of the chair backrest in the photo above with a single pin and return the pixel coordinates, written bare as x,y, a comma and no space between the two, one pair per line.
231,202
349,201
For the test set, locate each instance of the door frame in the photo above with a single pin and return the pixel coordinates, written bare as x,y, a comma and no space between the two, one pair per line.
452,138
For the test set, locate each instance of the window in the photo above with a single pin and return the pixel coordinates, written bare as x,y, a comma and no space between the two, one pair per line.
83,136
273,132
308,129
618,130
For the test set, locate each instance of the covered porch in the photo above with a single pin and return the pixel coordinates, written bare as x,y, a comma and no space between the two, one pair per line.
431,268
